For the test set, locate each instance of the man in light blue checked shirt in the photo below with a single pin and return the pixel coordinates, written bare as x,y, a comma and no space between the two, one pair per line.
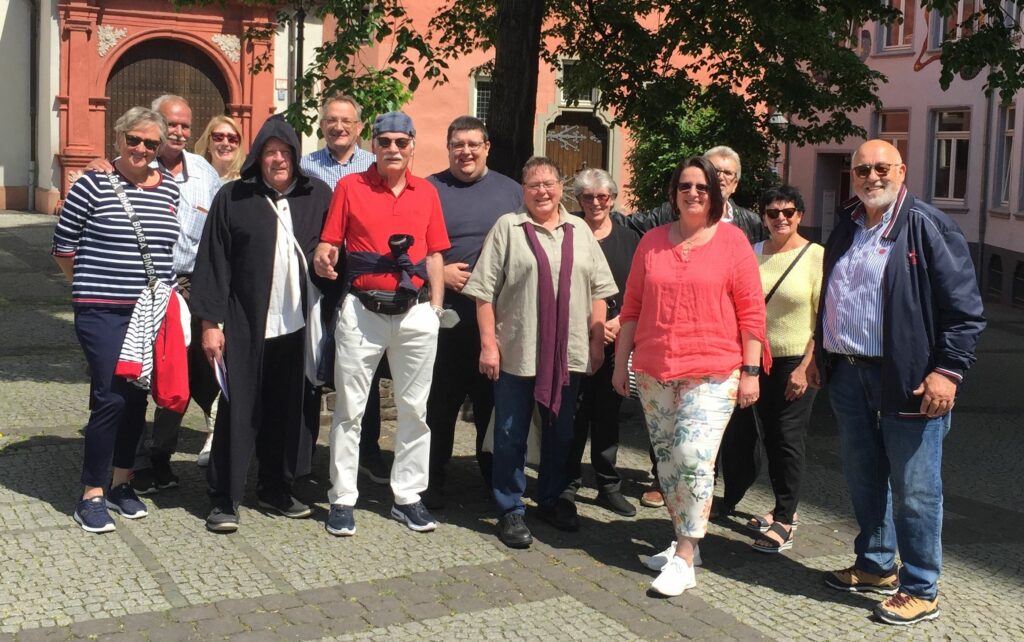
341,124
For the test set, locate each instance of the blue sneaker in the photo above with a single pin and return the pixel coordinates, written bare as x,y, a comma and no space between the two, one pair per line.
341,521
124,500
92,516
415,516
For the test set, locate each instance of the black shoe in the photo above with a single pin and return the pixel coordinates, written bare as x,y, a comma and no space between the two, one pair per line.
144,481
282,502
561,514
163,476
375,469
432,498
222,520
617,503
512,531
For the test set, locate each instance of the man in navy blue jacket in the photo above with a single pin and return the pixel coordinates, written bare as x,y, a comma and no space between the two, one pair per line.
897,328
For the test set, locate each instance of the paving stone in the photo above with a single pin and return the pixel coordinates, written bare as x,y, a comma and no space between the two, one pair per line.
173,633
255,636
301,632
342,610
220,626
193,613
304,615
262,620
238,606
426,611
279,602
96,627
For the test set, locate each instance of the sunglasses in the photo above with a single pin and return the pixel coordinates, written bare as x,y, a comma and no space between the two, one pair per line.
133,141
686,187
401,143
220,137
773,212
863,171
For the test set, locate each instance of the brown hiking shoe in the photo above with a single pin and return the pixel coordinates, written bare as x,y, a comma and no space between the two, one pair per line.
903,608
854,580
653,497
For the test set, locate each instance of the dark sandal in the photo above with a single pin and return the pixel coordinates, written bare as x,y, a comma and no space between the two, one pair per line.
761,524
773,546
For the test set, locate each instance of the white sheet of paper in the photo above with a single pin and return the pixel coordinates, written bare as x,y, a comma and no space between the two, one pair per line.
221,372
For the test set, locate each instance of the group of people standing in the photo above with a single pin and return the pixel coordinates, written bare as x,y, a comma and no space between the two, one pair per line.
722,321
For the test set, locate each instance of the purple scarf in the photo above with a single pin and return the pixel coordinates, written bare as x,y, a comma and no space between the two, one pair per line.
552,321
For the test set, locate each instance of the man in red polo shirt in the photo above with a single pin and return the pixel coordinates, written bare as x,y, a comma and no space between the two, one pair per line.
391,225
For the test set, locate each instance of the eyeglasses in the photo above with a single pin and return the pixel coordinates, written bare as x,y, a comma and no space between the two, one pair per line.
863,171
728,173
686,187
401,143
344,122
773,212
133,141
597,198
546,185
471,146
220,137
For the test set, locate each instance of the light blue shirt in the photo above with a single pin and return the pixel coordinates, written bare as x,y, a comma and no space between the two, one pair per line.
320,164
853,303
198,183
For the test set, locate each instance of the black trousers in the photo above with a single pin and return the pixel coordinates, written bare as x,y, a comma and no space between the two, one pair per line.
597,416
272,436
740,455
784,425
456,375
117,408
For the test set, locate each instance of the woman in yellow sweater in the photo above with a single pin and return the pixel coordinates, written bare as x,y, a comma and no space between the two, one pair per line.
791,278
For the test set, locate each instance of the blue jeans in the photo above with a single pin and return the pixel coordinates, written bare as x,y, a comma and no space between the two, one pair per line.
513,411
893,467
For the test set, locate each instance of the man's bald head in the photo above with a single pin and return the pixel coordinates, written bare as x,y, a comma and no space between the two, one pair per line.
878,173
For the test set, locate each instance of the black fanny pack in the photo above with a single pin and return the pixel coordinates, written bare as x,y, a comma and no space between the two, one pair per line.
388,302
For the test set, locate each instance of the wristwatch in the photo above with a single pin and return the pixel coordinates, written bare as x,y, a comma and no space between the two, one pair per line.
753,371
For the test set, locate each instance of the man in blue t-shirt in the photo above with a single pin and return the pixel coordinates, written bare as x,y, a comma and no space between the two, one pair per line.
472,199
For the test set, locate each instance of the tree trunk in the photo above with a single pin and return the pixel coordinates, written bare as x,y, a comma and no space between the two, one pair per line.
513,107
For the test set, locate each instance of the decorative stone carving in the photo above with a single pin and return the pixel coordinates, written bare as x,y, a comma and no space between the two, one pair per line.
108,37
229,44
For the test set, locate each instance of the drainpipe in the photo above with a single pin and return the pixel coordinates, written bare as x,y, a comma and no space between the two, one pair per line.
33,102
985,170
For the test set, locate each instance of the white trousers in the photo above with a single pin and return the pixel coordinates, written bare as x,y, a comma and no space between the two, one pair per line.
411,343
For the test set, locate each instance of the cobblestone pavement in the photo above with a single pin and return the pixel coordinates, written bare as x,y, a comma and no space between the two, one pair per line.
165,578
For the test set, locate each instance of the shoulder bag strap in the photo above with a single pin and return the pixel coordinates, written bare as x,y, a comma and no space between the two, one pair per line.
140,237
782,278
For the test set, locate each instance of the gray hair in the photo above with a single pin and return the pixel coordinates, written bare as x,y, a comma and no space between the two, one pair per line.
594,178
341,98
139,117
168,98
725,151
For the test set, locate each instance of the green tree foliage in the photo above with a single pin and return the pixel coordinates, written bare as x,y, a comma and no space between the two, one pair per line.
660,143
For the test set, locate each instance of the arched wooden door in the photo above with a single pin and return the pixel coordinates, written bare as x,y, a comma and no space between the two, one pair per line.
575,141
163,66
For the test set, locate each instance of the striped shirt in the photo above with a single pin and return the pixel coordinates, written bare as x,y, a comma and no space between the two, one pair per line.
94,229
320,164
853,303
198,183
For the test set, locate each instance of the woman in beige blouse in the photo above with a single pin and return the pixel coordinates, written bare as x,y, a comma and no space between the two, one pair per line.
540,285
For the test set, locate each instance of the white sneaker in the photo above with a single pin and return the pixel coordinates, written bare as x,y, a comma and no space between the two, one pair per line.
658,562
204,455
675,577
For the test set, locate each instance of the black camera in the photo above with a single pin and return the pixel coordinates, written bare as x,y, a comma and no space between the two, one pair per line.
400,244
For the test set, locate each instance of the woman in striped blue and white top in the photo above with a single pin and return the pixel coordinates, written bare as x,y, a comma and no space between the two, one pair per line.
96,247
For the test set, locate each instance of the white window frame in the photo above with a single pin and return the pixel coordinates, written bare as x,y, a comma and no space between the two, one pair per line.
581,104
938,24
951,138
892,137
908,22
1001,178
477,81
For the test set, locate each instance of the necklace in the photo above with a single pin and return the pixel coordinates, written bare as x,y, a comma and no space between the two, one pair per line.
689,243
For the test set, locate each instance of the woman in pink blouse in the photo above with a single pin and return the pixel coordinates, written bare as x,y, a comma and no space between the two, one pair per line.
694,319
